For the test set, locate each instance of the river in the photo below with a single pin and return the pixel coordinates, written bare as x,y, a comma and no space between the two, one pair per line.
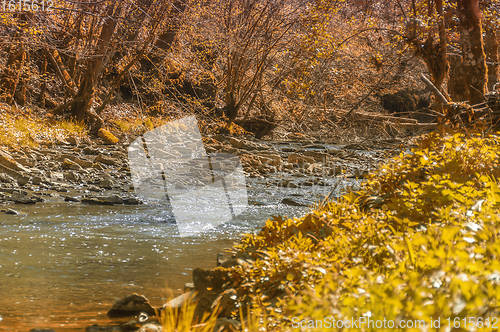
62,265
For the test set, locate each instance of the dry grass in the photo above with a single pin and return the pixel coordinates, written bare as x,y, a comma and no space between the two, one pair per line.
22,129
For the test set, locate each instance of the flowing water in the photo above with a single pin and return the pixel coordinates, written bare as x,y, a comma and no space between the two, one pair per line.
62,265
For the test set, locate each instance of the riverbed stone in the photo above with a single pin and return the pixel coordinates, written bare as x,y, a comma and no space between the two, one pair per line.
5,178
150,327
105,160
12,212
72,176
296,158
226,302
295,201
131,201
103,200
106,184
83,163
130,306
97,328
21,198
70,165
71,199
7,161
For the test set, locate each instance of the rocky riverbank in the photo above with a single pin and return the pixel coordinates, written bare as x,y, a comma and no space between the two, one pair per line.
97,171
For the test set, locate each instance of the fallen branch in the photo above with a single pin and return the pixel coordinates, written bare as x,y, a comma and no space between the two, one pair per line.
59,109
436,91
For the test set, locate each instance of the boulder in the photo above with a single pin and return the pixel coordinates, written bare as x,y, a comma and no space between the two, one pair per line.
130,306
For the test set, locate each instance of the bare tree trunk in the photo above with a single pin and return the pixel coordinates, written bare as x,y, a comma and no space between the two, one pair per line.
86,91
10,77
43,85
474,59
492,56
434,54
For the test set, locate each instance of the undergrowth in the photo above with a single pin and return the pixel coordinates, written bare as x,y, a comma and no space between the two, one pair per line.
25,130
418,242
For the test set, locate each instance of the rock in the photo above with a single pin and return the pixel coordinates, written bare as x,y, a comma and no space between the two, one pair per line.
106,184
71,199
70,165
227,303
308,183
284,182
118,155
5,178
296,158
239,144
12,211
150,327
131,201
188,287
88,150
95,188
61,141
102,200
104,160
72,176
63,156
20,198
271,159
404,101
21,179
227,325
317,155
7,161
107,137
73,140
97,328
179,301
131,305
83,163
36,180
295,201
25,161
